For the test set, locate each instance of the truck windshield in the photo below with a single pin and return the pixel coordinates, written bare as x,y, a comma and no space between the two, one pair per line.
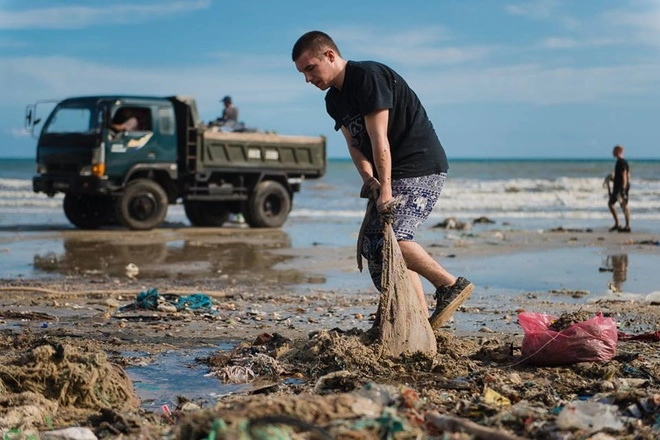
71,120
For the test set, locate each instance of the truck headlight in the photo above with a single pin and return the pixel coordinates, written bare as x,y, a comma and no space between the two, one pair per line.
98,169
98,161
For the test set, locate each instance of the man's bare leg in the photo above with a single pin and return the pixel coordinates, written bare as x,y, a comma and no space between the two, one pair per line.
450,292
418,260
614,214
626,214
416,282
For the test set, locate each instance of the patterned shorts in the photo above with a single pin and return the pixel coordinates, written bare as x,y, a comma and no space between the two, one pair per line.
416,197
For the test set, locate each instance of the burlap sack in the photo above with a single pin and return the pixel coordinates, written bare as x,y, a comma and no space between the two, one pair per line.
404,324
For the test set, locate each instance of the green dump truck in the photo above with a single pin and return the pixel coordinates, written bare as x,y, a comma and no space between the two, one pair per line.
122,160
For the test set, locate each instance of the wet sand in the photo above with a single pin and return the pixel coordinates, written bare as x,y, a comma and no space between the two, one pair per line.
70,285
506,266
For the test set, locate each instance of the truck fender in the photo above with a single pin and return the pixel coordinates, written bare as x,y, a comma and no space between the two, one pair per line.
282,179
145,169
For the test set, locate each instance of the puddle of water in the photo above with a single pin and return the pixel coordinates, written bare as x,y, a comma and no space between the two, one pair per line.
577,269
175,373
503,277
549,277
158,253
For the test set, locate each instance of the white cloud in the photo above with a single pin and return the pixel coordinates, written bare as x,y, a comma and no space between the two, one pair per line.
34,78
538,9
422,46
431,56
29,79
575,43
19,133
559,43
535,84
631,22
77,17
643,25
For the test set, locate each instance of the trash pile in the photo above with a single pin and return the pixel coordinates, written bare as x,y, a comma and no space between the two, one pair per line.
53,385
335,384
485,389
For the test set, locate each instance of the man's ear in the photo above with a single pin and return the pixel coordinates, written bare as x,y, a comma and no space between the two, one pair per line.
330,54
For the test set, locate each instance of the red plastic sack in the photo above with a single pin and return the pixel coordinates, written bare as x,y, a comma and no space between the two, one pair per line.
590,341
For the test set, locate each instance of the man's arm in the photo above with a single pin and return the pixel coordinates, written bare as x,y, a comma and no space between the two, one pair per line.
362,164
377,124
128,125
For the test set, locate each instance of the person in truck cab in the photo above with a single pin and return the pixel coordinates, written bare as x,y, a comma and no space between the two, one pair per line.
128,120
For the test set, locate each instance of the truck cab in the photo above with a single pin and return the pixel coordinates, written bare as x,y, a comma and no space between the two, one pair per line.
81,150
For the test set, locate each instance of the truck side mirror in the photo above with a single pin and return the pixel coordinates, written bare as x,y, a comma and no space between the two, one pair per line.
28,117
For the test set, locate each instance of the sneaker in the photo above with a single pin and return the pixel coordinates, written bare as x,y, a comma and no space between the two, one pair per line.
449,298
625,229
614,228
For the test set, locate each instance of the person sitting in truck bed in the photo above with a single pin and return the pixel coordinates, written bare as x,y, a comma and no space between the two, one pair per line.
230,112
229,119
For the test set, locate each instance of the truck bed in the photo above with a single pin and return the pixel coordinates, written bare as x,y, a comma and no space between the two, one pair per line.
304,156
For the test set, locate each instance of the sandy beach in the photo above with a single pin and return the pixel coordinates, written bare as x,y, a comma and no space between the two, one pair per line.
308,310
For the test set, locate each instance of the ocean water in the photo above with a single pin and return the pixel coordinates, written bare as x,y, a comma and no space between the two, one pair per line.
521,194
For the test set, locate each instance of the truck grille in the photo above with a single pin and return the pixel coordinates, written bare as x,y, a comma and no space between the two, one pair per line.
63,168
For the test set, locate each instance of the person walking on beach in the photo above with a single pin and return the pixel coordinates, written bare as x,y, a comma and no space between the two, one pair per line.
397,153
620,187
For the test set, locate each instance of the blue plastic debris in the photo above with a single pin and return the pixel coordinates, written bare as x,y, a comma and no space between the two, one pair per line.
151,298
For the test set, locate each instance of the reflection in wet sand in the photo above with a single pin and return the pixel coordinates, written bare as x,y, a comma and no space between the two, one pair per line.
237,255
618,264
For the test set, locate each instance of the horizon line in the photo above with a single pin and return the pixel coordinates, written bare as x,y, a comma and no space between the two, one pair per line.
512,158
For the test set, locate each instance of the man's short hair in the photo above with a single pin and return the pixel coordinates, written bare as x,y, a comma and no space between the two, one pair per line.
316,42
617,149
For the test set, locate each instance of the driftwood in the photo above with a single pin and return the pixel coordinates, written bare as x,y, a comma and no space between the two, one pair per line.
28,314
455,424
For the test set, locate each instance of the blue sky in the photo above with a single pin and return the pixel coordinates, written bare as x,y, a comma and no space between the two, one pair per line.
499,79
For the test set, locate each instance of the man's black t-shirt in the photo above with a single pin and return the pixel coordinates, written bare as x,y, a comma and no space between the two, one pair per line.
370,86
620,167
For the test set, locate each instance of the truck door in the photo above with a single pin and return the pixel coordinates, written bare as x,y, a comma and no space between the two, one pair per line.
137,137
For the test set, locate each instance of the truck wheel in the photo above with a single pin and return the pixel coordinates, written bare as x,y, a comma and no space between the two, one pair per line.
142,206
206,214
88,212
268,205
